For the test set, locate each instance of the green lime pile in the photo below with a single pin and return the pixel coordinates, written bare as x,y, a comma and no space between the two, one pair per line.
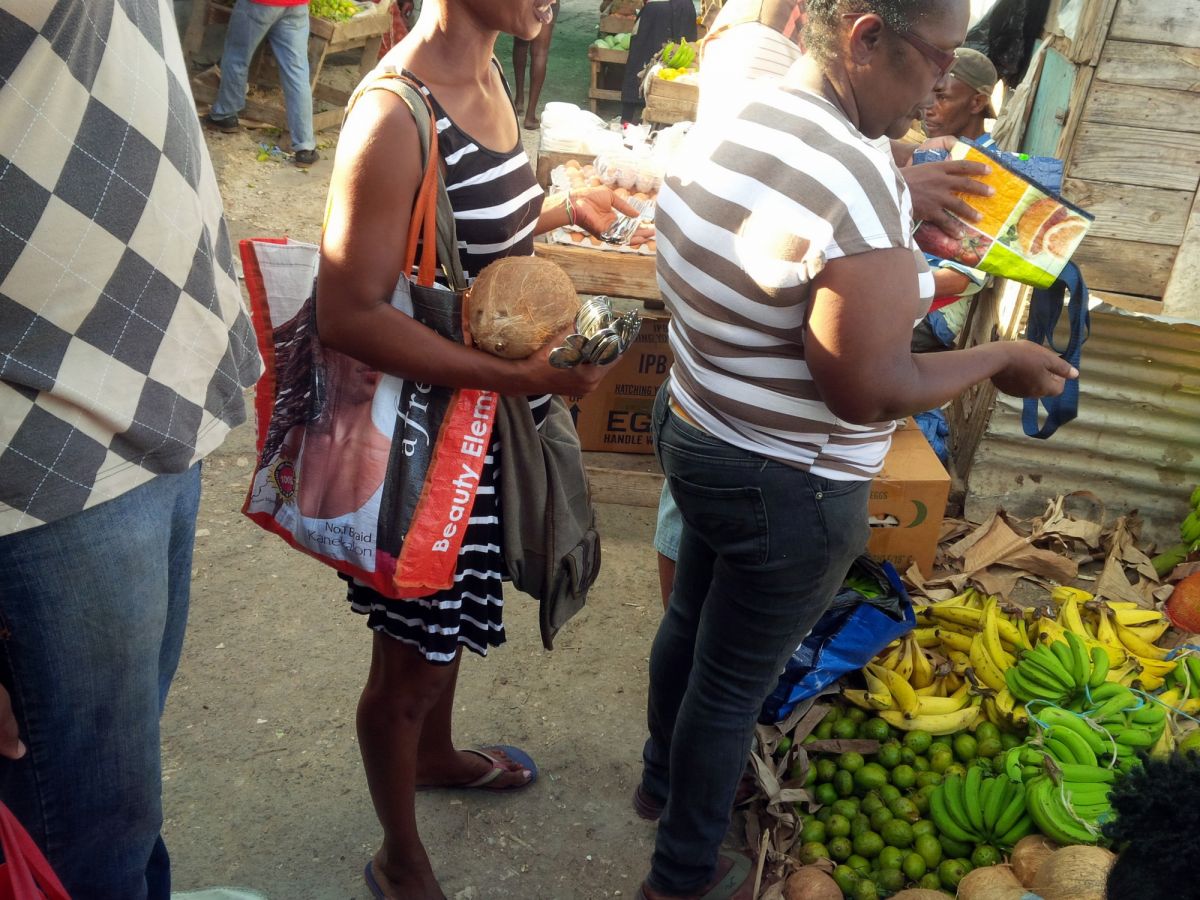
874,819
333,10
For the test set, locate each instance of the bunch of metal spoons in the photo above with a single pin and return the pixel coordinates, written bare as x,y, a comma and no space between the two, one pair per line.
600,337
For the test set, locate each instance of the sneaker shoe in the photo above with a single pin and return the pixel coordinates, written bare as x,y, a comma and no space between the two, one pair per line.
226,124
305,158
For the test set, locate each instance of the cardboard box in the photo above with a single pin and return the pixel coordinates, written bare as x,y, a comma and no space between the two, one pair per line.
908,502
615,418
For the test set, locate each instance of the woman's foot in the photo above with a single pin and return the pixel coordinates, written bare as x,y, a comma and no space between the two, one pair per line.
532,123
469,768
411,882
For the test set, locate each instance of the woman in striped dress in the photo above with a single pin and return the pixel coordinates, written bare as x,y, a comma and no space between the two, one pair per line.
404,714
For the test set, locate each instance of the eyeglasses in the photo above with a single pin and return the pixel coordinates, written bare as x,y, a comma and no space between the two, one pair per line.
943,60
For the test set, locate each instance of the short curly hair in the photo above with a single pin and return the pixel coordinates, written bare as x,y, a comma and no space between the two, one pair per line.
1157,811
822,18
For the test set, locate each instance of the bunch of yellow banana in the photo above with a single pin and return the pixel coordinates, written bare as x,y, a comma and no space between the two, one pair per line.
907,691
1125,631
981,641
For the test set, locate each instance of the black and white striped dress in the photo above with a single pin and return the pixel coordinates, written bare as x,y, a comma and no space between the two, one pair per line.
496,202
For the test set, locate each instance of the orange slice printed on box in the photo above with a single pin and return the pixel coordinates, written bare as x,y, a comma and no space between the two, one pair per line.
1041,216
1062,239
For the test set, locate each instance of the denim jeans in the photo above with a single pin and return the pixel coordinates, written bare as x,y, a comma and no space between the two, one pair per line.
287,29
763,550
92,614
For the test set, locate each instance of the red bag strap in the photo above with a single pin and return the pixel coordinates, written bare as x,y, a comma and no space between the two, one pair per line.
29,875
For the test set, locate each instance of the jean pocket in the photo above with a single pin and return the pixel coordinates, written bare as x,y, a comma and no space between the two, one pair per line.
731,520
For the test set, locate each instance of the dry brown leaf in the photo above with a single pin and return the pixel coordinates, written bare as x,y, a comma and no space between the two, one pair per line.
993,545
997,581
1056,521
959,549
1113,584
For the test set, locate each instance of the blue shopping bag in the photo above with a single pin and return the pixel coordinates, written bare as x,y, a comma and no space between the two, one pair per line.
852,631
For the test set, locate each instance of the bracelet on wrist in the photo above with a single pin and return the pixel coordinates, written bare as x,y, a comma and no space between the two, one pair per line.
570,207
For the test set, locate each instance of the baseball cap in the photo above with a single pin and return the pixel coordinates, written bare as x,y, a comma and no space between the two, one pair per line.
976,71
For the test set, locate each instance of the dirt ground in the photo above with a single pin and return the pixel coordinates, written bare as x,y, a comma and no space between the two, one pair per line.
262,777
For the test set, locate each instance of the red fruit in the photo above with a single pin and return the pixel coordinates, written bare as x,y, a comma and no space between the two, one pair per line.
1183,609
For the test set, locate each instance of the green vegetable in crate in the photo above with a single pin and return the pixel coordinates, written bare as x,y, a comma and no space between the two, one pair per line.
333,10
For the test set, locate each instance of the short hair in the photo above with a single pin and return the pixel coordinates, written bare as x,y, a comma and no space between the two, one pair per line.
1156,807
822,18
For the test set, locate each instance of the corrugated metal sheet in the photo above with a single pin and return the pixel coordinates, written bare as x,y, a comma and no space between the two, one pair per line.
1136,443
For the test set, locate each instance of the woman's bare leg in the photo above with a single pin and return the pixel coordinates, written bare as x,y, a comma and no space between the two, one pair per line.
520,59
402,689
539,52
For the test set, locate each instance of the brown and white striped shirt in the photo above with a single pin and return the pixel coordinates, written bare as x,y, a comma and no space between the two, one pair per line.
748,216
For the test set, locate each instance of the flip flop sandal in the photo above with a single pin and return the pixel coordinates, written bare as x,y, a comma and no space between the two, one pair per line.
735,884
484,781
372,884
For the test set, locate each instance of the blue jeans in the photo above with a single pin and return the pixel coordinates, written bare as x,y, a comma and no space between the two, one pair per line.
92,614
287,29
763,550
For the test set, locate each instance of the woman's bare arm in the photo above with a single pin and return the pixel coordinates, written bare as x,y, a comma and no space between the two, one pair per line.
375,180
858,338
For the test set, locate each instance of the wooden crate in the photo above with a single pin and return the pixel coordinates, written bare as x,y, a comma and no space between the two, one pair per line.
668,102
607,72
606,272
617,24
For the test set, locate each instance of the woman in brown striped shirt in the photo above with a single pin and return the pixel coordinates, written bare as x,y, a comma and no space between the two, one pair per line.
785,256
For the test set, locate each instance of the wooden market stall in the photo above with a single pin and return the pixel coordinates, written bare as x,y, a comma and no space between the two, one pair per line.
1113,91
1114,94
607,66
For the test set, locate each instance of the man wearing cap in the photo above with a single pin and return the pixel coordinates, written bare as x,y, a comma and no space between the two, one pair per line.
963,100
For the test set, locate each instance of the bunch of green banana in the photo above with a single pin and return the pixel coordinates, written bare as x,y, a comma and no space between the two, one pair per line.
678,56
1189,537
1070,810
1058,671
975,808
1109,724
1125,631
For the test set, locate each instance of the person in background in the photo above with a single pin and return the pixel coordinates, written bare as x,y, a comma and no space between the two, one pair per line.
285,24
787,262
532,55
124,353
963,102
402,13
659,22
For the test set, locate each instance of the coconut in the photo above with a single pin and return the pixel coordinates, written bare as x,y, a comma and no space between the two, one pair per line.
991,883
1029,854
517,304
919,894
810,883
1074,873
